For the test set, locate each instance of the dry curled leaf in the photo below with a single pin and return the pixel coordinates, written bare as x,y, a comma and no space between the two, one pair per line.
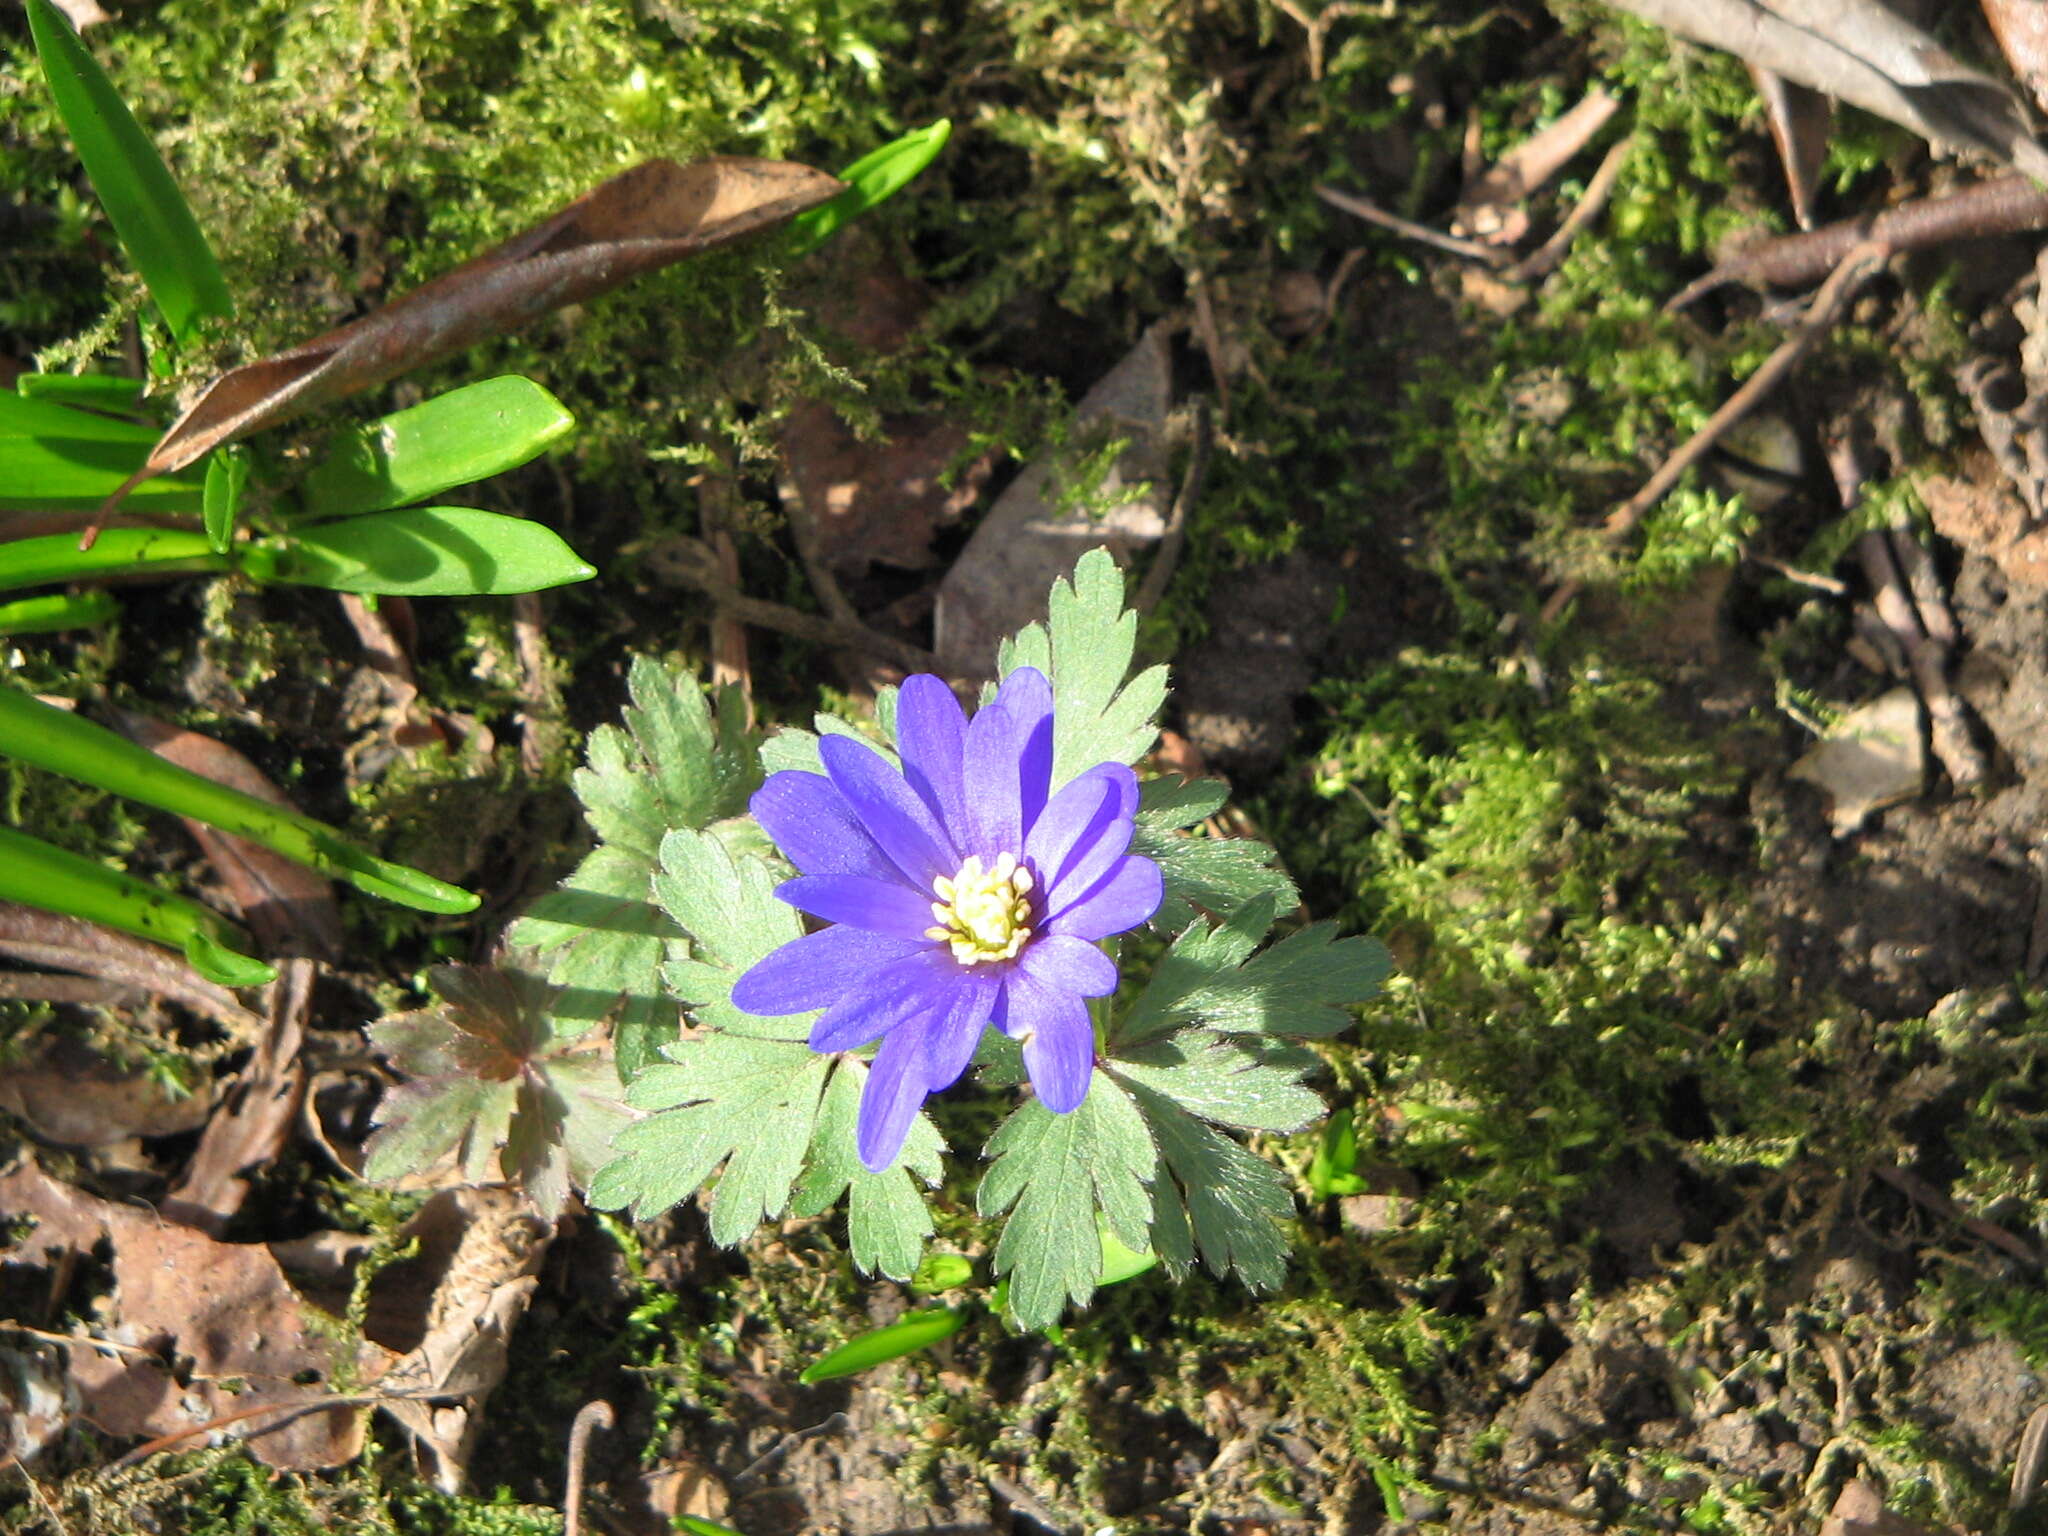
654,215
1867,55
1490,210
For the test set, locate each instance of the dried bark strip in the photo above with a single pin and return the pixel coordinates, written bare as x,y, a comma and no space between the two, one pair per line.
650,217
2004,205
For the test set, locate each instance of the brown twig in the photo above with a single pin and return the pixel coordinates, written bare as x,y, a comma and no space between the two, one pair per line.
1821,315
1373,214
1544,259
837,1424
2027,1464
693,566
1317,27
2004,205
1918,1190
590,1418
87,991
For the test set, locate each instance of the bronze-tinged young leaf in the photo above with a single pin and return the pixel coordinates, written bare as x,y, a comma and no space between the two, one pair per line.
650,217
492,1085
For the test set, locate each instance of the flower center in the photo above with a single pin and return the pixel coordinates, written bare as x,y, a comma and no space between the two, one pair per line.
982,912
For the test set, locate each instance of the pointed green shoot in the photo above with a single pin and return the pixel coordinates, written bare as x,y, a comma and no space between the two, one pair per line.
873,178
147,210
52,738
920,1330
942,1272
56,459
420,552
453,439
697,1525
227,471
58,610
38,874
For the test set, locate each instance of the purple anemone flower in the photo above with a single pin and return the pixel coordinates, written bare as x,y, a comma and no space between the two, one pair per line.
959,893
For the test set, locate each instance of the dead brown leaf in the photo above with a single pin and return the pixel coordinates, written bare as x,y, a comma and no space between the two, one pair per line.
70,1095
1801,121
258,1118
288,907
228,1332
650,217
1859,1511
999,583
2021,27
878,500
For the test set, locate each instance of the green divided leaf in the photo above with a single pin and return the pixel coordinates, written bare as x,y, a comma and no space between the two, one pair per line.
465,435
887,1220
1085,647
420,552
1216,875
1217,1199
1244,1081
672,764
746,1105
1059,1171
748,1094
491,1083
148,212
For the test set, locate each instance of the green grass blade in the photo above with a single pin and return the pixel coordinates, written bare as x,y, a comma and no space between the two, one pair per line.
56,459
873,178
36,874
147,210
95,391
118,551
59,610
464,435
52,738
227,470
920,1330
420,552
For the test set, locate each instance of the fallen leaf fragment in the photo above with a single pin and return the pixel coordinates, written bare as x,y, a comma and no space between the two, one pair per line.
1867,55
999,583
261,1110
647,218
1859,1511
2021,27
40,938
70,1095
221,1315
1874,757
1801,120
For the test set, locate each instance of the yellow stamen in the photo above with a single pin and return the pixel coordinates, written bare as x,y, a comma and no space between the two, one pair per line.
983,913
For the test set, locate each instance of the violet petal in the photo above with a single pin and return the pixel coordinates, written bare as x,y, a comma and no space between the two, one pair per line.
1069,964
811,822
1059,1040
1084,829
888,807
931,734
1009,763
1127,896
811,972
890,1100
881,906
951,1037
871,1006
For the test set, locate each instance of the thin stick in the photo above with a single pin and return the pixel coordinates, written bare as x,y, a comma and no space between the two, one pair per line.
1821,315
2027,1465
1915,1188
838,1424
1373,214
696,570
590,1418
1544,260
